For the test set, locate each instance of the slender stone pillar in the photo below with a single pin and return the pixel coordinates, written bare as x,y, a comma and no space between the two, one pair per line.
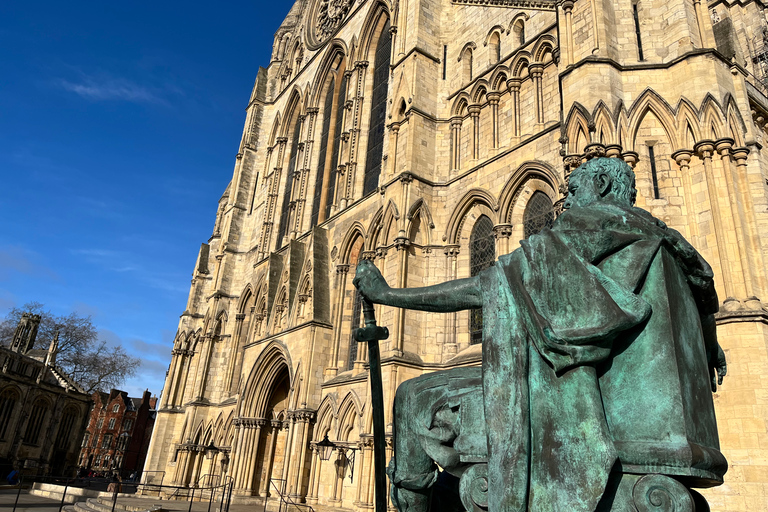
256,426
456,123
474,112
537,71
493,101
705,149
683,160
567,7
514,90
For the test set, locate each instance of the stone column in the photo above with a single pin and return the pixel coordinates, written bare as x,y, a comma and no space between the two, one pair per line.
450,347
265,487
456,122
514,90
631,158
272,196
305,418
704,149
683,160
341,285
756,265
255,427
493,101
742,287
502,233
348,188
301,197
394,131
311,490
338,478
234,349
474,113
613,151
567,6
537,71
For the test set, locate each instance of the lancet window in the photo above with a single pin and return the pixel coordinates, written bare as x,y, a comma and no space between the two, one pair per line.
378,111
35,422
7,404
286,209
330,140
482,253
65,428
539,214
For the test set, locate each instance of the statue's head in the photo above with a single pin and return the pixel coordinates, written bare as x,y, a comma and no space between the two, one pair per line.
601,179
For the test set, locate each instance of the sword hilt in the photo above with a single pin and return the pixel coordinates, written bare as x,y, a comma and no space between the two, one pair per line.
371,332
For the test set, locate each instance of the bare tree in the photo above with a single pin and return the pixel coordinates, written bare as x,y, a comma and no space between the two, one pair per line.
90,362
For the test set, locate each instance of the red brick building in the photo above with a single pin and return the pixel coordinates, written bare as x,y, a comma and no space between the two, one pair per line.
118,432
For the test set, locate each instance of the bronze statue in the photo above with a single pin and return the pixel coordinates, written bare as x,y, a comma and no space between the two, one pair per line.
599,348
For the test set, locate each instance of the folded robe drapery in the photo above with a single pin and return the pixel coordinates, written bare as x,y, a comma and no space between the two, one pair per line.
551,311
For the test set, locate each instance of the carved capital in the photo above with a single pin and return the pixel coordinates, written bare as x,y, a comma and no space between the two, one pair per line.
361,64
536,70
493,98
342,269
613,150
456,122
723,146
631,158
402,243
682,157
368,255
514,85
474,110
502,231
567,6
704,149
594,150
451,250
571,162
740,155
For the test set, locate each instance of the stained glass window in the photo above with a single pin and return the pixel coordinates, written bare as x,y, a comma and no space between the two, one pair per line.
285,211
482,253
539,214
7,403
378,111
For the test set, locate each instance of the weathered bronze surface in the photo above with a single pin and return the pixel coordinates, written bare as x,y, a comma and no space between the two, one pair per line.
599,358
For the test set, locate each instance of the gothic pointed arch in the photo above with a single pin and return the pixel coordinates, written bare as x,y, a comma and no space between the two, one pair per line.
470,199
327,413
336,49
527,171
379,11
273,360
544,44
349,416
421,209
353,233
374,229
519,66
479,91
460,104
577,128
498,81
390,223
605,132
378,77
688,124
650,101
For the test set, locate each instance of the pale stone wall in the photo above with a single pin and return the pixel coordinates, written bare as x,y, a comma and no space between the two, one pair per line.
455,148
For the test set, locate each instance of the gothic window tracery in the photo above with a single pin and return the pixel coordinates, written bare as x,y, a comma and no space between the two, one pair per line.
539,214
7,404
286,209
35,422
482,253
378,111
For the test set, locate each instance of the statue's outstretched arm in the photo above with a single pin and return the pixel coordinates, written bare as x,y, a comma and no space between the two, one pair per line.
440,298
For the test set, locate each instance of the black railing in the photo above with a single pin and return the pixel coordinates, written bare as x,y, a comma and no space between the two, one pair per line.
285,499
220,493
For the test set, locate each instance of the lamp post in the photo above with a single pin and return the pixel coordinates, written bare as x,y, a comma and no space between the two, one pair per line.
325,449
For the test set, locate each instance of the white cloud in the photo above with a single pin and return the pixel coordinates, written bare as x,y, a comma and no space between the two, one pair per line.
111,89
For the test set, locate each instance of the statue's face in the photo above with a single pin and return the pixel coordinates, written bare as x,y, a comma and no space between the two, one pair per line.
582,191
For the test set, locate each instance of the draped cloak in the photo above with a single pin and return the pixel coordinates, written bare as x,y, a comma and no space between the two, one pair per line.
551,312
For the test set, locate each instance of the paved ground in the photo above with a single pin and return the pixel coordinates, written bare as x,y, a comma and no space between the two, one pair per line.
29,503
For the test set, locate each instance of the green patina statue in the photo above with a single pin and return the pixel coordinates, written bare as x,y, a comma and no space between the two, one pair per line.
599,358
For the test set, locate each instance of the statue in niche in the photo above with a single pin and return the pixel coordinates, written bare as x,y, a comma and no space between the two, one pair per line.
599,359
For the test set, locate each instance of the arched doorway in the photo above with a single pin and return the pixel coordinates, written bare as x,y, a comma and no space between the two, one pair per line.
272,453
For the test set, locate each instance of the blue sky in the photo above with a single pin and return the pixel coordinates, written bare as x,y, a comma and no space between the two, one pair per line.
119,124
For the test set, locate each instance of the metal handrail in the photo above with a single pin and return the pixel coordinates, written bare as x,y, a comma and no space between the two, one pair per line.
285,499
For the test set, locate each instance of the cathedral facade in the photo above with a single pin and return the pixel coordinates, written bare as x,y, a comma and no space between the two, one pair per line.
430,136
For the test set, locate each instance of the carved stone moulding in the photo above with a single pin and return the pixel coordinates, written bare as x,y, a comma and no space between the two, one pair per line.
543,5
324,19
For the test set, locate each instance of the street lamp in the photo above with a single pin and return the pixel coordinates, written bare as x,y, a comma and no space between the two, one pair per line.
325,449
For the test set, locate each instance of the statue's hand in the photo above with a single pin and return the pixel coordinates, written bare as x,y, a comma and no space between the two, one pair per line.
718,368
370,282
